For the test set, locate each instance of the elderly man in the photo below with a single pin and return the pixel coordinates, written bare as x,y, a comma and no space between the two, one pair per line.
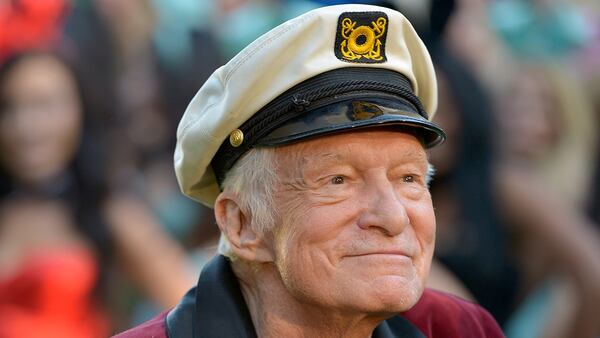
310,144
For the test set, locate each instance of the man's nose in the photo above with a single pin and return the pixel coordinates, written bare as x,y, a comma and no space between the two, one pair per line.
385,209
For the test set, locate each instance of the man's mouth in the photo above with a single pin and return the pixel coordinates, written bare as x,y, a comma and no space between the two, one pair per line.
392,253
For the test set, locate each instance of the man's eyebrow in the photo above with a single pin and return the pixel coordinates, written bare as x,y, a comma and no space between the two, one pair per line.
306,162
330,156
416,155
320,158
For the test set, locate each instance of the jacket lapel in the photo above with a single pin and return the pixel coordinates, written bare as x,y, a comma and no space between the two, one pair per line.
215,308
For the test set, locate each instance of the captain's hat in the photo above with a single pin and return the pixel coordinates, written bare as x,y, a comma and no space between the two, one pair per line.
331,70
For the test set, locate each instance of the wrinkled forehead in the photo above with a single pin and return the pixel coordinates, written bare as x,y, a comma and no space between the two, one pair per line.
353,148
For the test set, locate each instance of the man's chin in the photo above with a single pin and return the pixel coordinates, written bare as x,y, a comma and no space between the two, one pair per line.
396,294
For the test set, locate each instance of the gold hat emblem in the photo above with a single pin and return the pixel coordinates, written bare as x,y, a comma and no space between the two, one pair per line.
361,37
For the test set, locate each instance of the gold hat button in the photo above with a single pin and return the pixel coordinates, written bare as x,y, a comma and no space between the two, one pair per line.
236,138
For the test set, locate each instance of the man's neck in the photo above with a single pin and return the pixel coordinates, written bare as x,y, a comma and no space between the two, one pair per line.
275,313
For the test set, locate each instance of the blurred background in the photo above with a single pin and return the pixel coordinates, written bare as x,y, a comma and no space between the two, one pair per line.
95,236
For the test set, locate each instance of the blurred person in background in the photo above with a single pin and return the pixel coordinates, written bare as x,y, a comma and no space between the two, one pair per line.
547,137
138,64
545,141
58,219
471,241
548,124
138,80
53,243
139,57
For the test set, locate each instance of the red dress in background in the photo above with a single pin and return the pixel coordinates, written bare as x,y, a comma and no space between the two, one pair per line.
50,296
28,24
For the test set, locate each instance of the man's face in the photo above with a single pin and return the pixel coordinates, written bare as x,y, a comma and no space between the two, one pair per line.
356,226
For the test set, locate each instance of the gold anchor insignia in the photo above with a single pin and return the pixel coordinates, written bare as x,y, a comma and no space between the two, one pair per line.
362,41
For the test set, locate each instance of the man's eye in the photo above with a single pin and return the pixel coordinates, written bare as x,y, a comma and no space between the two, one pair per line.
337,180
409,179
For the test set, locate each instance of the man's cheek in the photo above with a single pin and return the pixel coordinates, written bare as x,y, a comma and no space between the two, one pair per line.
425,229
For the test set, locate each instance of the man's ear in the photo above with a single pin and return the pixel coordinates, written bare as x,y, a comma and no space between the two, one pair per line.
235,223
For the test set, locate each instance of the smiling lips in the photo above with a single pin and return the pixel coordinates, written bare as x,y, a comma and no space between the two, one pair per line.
388,253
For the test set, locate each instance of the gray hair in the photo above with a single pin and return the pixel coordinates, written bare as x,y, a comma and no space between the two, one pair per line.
253,179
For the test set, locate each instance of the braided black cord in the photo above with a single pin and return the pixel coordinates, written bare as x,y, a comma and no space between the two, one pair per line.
258,123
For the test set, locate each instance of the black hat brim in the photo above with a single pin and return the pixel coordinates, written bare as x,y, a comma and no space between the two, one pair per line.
354,114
